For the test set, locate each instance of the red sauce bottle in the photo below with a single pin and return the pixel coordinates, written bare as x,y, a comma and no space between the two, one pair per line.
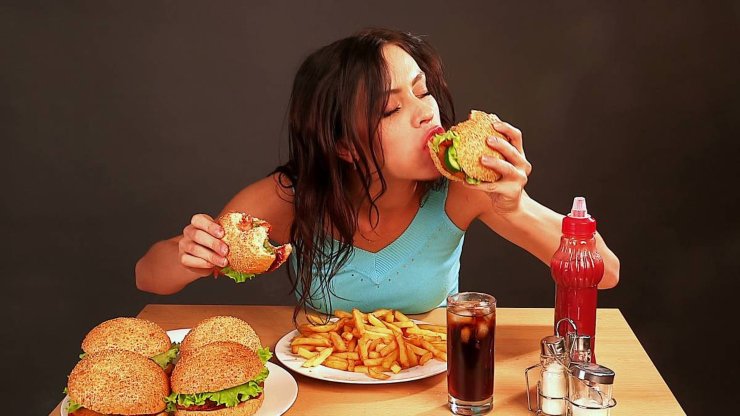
577,269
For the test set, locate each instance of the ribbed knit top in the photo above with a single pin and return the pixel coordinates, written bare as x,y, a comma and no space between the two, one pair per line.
414,274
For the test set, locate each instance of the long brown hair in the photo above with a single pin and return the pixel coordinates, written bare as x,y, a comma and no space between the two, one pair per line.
338,99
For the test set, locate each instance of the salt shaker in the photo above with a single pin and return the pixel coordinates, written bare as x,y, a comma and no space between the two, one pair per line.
590,390
552,386
580,349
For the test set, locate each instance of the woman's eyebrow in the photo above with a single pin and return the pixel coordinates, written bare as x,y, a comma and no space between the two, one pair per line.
416,79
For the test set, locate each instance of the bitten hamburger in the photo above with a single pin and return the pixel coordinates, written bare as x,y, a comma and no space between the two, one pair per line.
117,382
250,251
220,328
457,152
132,334
222,378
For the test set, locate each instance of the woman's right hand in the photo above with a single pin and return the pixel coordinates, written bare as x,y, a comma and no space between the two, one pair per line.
200,249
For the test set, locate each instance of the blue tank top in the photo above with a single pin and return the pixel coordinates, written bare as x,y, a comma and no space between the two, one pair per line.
414,274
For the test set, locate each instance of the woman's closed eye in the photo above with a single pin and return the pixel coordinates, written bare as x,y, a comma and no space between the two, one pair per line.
392,111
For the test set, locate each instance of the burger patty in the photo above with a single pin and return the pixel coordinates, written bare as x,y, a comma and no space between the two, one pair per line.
208,405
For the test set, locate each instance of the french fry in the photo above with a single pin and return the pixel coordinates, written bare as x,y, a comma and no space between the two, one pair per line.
303,352
323,328
388,349
351,365
372,372
426,357
314,319
405,324
389,359
373,345
361,369
294,348
373,362
417,350
426,332
395,330
359,321
400,316
338,342
413,359
395,368
320,335
352,344
402,352
373,354
319,358
362,343
372,334
347,355
375,321
437,353
435,328
338,365
319,342
342,314
347,336
442,346
379,312
389,317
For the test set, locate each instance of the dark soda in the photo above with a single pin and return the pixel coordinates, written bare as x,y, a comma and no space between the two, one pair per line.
470,351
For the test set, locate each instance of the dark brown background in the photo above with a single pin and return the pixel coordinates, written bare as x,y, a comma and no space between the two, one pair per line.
119,120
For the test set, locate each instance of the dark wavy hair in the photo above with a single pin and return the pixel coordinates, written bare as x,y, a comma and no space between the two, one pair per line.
338,99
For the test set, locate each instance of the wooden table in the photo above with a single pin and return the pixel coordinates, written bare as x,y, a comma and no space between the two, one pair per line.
639,388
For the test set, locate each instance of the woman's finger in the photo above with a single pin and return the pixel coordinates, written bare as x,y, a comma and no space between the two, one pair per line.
205,222
203,238
513,134
510,153
508,171
195,262
194,249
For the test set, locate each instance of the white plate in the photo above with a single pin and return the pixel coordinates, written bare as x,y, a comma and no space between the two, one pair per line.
281,388
294,363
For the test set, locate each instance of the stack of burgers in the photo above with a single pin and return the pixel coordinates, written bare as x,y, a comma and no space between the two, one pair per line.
219,371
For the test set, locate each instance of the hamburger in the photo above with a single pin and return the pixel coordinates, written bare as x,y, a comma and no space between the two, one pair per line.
132,334
250,251
117,382
220,328
222,378
456,153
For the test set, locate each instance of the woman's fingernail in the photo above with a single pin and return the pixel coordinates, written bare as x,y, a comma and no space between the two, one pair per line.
492,140
224,250
486,159
223,262
220,232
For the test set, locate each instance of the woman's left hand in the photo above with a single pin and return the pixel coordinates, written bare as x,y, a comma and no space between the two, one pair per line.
506,193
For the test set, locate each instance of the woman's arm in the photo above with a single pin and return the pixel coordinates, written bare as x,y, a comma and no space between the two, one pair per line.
537,229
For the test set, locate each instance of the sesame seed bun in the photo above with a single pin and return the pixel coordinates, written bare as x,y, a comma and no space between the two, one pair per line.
131,334
246,237
220,328
247,408
87,412
214,367
118,382
472,134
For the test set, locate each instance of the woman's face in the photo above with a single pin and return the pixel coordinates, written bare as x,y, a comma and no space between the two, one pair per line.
410,118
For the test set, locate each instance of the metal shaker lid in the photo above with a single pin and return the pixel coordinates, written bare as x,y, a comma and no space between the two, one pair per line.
552,346
581,343
592,372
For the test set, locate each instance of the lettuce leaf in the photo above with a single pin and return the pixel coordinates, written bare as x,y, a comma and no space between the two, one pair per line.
439,138
72,406
237,276
264,354
165,358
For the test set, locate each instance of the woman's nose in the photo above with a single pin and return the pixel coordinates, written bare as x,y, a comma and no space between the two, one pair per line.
424,113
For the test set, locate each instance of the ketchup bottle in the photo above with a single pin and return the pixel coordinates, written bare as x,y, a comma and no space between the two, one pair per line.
577,269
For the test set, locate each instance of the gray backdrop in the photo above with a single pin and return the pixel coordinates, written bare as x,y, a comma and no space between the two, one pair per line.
119,120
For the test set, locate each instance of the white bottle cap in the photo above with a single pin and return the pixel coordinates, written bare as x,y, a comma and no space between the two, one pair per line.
579,209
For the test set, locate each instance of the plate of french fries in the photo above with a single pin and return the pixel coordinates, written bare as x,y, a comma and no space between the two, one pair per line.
383,346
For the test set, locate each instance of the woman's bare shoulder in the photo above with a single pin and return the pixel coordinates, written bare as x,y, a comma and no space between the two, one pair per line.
464,204
270,199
